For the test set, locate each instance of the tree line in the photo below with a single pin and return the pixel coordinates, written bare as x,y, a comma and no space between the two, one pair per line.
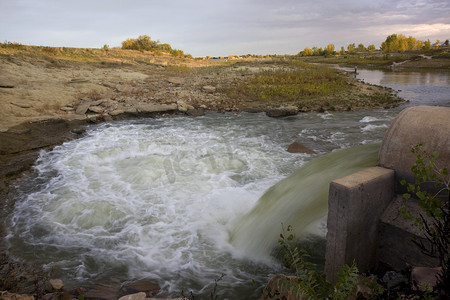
393,43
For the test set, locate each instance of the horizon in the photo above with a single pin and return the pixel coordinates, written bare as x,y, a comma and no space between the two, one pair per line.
204,28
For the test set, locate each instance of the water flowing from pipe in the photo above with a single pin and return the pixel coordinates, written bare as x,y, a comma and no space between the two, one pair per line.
300,200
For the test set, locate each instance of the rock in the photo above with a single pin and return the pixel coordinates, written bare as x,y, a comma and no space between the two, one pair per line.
155,108
94,118
166,298
423,278
79,131
394,281
95,109
21,104
273,288
67,108
6,86
11,296
252,110
148,286
299,148
131,110
77,80
83,108
104,291
183,106
138,296
107,118
116,112
57,284
209,89
195,112
175,81
282,111
98,102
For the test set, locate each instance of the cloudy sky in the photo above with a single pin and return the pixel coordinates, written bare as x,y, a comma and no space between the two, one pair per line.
219,28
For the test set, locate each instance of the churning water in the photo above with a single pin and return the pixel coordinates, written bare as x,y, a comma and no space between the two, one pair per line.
177,200
161,198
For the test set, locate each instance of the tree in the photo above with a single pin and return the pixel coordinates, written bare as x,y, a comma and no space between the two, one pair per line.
426,45
361,48
436,44
329,50
371,48
317,51
351,48
390,43
307,52
342,51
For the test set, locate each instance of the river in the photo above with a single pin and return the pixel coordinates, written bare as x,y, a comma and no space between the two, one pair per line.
163,199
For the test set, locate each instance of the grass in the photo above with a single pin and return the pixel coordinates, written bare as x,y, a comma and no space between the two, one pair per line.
293,82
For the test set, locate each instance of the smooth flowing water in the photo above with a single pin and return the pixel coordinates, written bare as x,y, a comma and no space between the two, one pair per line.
176,199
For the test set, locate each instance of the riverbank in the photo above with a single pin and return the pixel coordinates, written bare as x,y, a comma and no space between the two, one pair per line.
413,60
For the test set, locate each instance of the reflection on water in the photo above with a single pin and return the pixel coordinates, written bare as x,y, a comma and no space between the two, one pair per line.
421,87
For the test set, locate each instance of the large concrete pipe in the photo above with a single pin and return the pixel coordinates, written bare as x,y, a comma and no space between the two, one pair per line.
363,208
429,125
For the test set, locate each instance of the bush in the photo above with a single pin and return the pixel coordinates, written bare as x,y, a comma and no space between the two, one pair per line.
144,43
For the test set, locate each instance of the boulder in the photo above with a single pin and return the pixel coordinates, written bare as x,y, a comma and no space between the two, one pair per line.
6,86
195,112
56,284
21,104
148,286
12,296
83,108
104,291
175,81
423,278
137,296
183,106
155,108
67,108
116,112
96,109
282,111
209,89
394,280
299,148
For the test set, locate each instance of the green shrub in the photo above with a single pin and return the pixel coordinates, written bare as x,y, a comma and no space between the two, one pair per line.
434,202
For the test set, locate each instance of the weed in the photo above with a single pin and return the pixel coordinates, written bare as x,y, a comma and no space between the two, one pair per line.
434,201
310,284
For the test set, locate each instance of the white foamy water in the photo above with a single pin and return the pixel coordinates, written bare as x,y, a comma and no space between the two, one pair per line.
159,199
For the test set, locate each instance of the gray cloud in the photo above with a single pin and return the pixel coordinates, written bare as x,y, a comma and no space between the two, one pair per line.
202,27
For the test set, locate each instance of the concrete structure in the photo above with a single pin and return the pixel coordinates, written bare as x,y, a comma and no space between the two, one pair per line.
364,224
